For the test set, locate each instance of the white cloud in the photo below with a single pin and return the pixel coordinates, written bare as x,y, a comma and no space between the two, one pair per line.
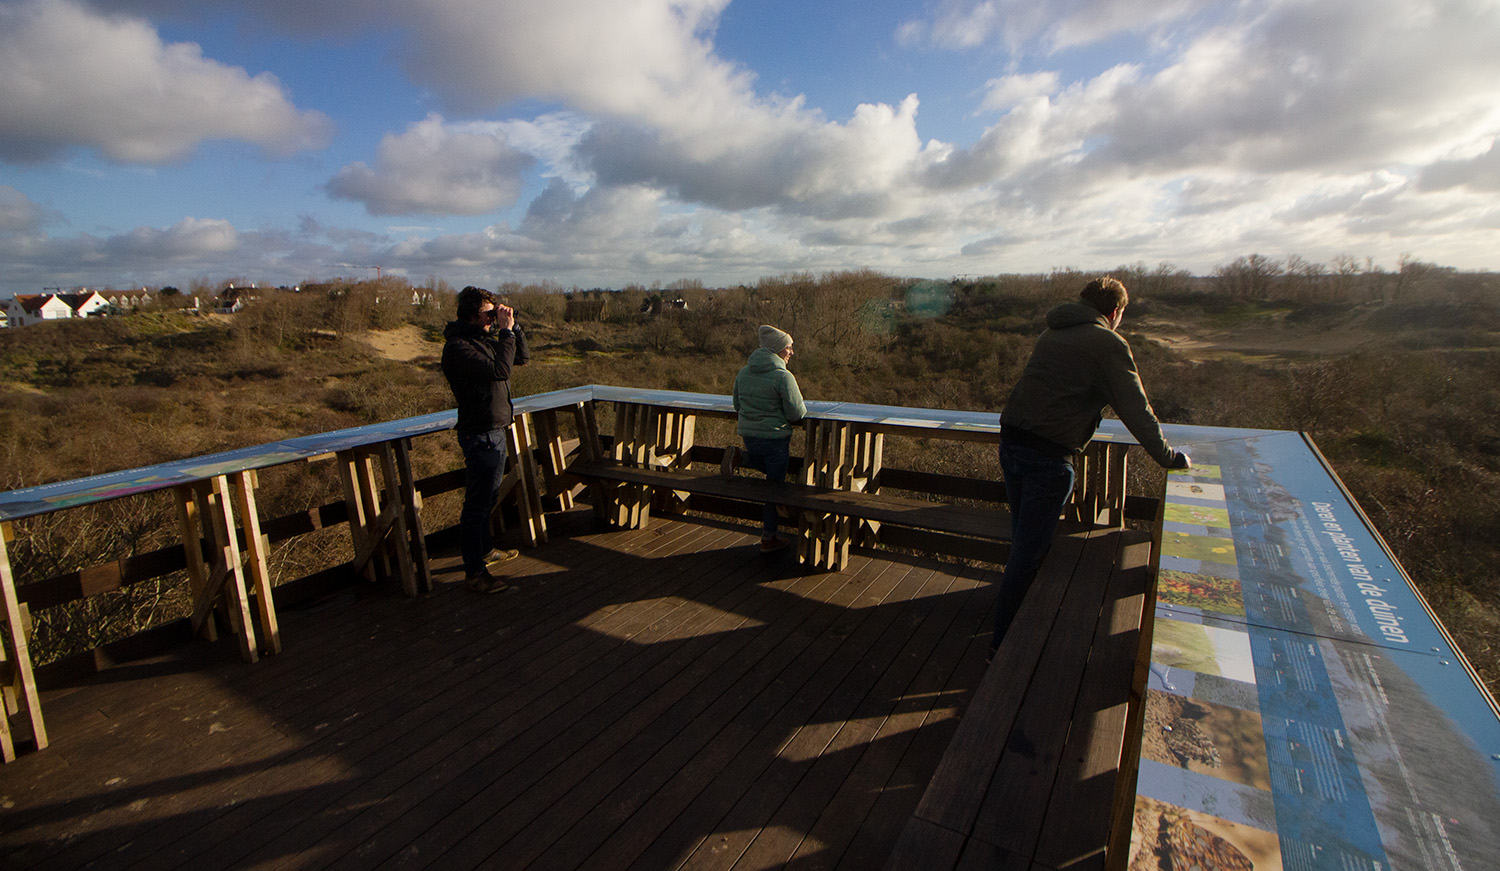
70,77
1055,25
1481,172
437,168
17,212
788,159
669,113
1317,127
1279,114
1008,92
188,240
632,58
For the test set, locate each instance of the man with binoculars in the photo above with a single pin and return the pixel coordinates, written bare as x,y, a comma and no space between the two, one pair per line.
482,347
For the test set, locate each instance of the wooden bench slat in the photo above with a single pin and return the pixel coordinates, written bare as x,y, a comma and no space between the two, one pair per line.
1014,807
1079,815
957,787
1033,777
988,523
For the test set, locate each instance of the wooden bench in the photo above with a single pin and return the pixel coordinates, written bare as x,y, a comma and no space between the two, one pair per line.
835,489
1040,773
881,513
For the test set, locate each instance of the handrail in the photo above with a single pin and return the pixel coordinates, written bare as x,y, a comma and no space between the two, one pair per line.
984,426
214,496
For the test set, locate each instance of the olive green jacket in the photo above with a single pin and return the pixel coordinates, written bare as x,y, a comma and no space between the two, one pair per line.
1079,366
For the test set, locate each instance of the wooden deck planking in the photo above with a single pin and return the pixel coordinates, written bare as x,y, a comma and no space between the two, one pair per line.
657,698
392,717
526,789
373,729
792,703
481,723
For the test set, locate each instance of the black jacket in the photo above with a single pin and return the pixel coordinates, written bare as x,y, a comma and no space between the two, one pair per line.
477,366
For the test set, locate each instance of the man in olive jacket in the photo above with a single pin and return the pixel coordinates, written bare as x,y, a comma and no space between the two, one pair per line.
482,347
1079,365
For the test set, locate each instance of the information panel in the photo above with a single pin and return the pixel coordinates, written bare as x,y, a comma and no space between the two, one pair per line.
1304,711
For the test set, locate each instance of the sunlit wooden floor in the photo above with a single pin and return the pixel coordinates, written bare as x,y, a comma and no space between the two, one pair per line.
663,698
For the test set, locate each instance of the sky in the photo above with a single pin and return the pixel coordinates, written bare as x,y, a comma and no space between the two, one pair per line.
601,143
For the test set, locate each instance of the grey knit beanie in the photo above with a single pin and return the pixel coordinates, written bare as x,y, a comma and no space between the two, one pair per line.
774,340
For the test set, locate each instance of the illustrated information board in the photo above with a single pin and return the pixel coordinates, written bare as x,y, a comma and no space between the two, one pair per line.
1303,710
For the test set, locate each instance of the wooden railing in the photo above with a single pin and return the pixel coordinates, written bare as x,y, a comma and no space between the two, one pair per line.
225,542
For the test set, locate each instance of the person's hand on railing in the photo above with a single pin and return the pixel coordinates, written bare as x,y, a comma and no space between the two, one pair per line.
1180,460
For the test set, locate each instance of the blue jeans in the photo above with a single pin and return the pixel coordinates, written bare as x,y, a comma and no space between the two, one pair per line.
1037,486
770,456
484,467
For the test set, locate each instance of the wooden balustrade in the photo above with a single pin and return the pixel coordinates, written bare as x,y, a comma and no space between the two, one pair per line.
835,491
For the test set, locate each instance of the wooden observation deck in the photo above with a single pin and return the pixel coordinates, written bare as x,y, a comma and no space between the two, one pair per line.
658,694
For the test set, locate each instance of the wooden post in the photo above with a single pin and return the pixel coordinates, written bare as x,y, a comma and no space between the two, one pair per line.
190,527
823,539
592,450
1118,457
412,502
1099,492
1091,489
864,477
398,539
22,682
587,422
635,445
378,525
554,459
528,482
348,465
216,509
675,432
257,549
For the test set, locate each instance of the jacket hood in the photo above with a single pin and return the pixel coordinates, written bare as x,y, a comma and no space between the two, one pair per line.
1073,314
463,330
762,360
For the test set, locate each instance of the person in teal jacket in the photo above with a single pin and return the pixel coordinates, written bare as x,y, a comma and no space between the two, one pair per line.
768,402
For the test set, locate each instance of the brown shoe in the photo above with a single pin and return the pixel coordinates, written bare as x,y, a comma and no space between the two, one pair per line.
500,556
773,544
484,582
731,459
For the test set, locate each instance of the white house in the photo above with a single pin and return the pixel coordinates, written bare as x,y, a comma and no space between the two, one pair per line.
32,308
127,299
85,303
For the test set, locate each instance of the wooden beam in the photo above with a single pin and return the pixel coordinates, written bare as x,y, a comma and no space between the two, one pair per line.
190,527
257,549
369,489
214,508
229,558
591,450
554,460
359,510
411,500
396,500
18,654
528,482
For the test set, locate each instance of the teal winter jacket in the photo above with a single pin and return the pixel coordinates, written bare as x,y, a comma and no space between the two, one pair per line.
766,397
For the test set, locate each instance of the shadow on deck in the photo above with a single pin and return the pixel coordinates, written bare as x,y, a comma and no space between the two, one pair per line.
655,698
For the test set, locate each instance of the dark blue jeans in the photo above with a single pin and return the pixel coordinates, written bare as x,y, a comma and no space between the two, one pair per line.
770,456
1037,486
484,466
